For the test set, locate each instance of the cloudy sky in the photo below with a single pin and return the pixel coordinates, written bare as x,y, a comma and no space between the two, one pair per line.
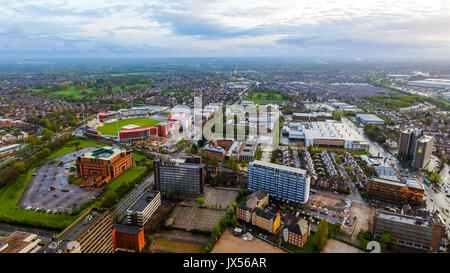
212,28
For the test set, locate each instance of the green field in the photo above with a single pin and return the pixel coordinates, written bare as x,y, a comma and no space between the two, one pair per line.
71,146
111,128
127,177
262,97
71,91
11,213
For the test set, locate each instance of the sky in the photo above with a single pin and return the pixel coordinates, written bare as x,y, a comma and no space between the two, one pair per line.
361,29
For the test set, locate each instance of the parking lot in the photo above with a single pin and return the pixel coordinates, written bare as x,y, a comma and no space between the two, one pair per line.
192,217
220,198
49,190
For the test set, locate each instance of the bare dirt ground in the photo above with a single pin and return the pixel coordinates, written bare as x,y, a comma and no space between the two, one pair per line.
228,243
335,246
364,215
177,241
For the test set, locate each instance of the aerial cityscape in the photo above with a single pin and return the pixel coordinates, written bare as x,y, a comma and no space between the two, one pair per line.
280,128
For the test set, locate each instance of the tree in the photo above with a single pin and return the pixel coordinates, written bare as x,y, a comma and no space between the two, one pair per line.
110,199
47,134
435,178
321,235
200,201
385,239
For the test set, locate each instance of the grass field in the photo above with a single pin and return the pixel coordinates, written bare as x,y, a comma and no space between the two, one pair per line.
71,145
128,176
71,91
261,97
111,128
11,213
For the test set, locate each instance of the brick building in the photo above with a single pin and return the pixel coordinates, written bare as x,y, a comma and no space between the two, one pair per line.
103,165
128,238
297,233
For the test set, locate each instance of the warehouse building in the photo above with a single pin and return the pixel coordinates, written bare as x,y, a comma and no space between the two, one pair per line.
369,119
141,210
280,181
330,133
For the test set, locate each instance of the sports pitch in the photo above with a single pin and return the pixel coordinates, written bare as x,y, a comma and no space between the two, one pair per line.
111,128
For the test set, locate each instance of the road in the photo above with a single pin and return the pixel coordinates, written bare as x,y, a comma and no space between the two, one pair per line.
120,209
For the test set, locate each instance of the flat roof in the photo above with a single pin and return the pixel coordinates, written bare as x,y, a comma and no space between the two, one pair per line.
105,153
406,219
143,201
279,167
127,229
369,117
329,129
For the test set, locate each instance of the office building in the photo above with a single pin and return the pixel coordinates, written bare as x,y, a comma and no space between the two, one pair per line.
247,151
179,176
103,165
128,238
141,210
420,233
297,233
280,181
423,151
410,191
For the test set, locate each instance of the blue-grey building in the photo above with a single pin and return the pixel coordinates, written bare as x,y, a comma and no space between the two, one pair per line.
369,119
279,181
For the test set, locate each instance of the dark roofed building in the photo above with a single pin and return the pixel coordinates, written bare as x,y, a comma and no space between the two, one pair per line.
128,238
297,233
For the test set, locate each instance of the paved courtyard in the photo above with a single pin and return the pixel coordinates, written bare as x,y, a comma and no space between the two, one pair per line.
220,198
49,190
189,218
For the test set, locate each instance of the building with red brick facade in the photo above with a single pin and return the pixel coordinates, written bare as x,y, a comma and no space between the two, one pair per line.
103,165
128,238
297,233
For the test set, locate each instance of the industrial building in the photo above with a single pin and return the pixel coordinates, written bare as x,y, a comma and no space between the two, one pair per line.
368,119
315,116
331,133
297,233
410,191
179,176
128,238
420,233
143,208
103,165
280,181
431,83
423,151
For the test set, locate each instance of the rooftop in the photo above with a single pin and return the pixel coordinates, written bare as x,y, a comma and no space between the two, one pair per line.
278,167
127,229
143,201
105,153
405,219
369,117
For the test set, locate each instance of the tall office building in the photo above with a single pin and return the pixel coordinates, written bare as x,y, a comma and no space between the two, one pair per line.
280,181
423,150
408,140
181,177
